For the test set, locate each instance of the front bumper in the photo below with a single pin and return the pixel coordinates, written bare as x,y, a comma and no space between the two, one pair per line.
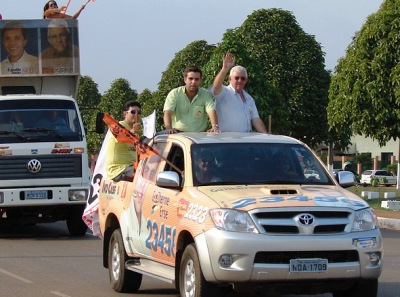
243,248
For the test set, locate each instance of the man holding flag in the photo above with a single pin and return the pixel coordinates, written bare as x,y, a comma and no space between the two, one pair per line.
120,156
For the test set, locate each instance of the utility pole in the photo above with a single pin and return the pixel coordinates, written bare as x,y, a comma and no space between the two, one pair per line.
330,159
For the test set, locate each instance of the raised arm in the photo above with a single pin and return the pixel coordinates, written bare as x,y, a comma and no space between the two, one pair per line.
227,63
75,16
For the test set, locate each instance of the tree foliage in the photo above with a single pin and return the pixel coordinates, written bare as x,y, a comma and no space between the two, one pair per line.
88,99
286,72
365,90
112,102
196,53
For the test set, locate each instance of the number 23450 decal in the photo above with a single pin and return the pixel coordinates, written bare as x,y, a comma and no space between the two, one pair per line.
162,238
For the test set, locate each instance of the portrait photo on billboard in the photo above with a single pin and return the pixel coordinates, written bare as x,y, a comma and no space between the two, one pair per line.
19,48
59,47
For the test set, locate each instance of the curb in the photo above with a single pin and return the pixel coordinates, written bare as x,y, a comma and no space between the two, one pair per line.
384,223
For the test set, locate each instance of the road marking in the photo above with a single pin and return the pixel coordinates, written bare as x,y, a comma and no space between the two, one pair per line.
59,294
16,276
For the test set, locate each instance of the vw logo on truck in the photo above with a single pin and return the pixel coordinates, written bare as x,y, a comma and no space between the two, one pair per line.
34,166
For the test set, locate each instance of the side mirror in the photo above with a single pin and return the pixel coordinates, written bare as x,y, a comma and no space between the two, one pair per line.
168,179
346,179
100,125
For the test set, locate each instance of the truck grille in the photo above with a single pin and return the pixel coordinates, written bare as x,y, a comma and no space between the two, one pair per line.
52,166
302,221
285,257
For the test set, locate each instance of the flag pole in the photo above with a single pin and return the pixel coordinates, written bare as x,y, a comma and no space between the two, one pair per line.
66,7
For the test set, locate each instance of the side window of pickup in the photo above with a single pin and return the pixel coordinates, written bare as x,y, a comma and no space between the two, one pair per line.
177,158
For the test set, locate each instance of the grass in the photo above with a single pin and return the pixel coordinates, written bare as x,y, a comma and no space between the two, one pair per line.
376,203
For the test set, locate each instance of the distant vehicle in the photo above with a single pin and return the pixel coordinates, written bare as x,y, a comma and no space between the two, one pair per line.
382,175
311,173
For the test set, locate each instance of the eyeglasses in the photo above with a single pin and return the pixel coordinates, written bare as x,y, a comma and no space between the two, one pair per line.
135,111
53,4
58,36
240,78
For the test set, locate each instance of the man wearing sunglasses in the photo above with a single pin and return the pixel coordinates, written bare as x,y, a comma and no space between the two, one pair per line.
236,109
120,156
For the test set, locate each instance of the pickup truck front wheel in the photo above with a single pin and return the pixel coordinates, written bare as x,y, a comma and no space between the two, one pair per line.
191,279
122,280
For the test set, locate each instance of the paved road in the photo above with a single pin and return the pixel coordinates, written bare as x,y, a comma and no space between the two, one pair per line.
43,261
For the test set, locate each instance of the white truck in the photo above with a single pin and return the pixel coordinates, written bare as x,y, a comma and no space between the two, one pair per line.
44,167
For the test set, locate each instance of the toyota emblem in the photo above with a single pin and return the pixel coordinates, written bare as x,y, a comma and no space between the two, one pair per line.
34,166
306,219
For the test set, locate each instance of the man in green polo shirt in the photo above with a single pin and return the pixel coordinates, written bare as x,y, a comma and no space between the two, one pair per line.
186,107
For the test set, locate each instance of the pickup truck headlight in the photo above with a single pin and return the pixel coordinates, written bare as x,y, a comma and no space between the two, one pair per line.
364,220
232,220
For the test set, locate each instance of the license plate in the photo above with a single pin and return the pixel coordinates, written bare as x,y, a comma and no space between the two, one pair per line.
308,265
35,194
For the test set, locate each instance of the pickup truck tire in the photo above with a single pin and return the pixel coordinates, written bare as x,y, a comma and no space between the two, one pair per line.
191,280
366,288
122,280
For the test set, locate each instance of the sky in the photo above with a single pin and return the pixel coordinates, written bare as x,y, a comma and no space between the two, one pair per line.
136,40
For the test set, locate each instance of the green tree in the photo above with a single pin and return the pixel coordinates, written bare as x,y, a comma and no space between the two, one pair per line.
196,53
88,99
365,90
286,72
144,96
112,102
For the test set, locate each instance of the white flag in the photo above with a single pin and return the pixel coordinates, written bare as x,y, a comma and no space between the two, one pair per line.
149,125
91,212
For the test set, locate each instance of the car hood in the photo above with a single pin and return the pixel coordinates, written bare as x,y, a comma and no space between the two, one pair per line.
248,197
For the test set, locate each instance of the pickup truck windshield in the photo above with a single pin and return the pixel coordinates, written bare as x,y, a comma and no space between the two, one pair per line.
256,163
40,120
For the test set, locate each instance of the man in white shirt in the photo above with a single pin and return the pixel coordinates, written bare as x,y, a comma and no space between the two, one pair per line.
18,61
236,109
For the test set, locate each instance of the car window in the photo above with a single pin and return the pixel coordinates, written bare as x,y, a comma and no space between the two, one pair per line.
258,163
177,158
367,172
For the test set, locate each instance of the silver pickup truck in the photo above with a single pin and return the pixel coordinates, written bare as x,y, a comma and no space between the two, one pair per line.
237,211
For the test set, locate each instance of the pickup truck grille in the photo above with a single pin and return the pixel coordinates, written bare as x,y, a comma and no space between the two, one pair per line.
302,221
285,257
52,166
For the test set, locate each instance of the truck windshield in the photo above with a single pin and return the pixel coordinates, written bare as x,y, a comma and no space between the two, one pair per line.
256,163
40,120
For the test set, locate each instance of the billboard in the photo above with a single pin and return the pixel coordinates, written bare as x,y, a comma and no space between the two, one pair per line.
39,47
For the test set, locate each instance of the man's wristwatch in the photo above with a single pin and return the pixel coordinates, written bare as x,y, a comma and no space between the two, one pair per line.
215,126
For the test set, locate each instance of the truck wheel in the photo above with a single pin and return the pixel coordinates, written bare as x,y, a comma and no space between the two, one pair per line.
365,288
122,280
76,226
191,279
